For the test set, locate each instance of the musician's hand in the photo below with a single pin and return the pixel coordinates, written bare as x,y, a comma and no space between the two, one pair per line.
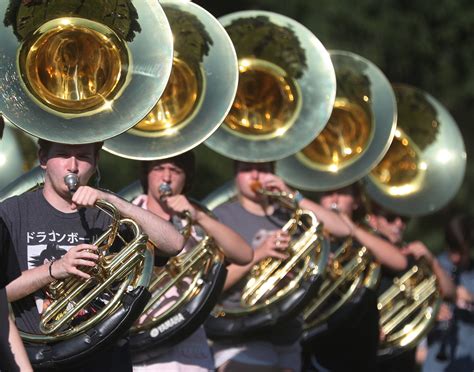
274,183
417,249
464,298
444,313
69,264
86,196
180,204
273,246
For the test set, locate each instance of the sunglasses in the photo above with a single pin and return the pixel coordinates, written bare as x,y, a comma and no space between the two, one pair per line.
390,217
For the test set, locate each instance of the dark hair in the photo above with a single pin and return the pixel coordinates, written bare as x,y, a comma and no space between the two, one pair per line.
388,214
45,146
458,233
185,161
238,162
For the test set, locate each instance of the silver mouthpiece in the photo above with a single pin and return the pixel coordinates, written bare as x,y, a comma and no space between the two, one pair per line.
334,207
165,190
72,181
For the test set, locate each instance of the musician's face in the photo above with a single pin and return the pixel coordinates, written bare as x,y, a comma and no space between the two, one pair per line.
63,159
248,174
340,201
392,227
165,172
460,258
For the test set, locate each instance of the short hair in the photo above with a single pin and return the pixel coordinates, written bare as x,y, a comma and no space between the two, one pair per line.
45,146
185,161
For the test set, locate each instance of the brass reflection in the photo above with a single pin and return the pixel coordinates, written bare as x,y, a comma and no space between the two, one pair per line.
73,65
267,100
176,105
400,171
344,138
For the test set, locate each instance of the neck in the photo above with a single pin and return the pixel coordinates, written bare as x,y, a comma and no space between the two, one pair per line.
259,208
63,203
157,208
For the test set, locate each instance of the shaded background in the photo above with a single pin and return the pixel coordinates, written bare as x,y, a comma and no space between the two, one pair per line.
423,43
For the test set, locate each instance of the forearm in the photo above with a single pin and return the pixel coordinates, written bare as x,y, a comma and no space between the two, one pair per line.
332,222
18,349
235,249
384,252
160,232
29,282
446,285
234,274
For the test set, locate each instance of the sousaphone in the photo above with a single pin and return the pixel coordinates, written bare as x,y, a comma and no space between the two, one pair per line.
286,88
357,136
82,71
284,99
425,164
198,95
79,72
421,173
197,98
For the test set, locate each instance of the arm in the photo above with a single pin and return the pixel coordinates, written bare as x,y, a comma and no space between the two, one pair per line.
160,232
18,349
446,285
235,248
384,252
34,279
331,220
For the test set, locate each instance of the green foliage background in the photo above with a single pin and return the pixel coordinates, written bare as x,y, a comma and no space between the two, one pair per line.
428,44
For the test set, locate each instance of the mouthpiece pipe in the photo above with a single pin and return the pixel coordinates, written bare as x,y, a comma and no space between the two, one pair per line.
72,181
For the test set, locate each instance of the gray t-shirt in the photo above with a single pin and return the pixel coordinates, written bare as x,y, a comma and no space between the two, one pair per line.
255,229
39,233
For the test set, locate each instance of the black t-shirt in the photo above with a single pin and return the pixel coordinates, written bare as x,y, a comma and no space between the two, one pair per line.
40,233
9,268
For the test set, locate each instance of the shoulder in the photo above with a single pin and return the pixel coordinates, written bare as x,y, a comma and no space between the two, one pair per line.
12,207
227,209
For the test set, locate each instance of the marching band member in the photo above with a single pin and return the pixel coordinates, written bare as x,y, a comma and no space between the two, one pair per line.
260,223
356,334
392,227
51,234
177,173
